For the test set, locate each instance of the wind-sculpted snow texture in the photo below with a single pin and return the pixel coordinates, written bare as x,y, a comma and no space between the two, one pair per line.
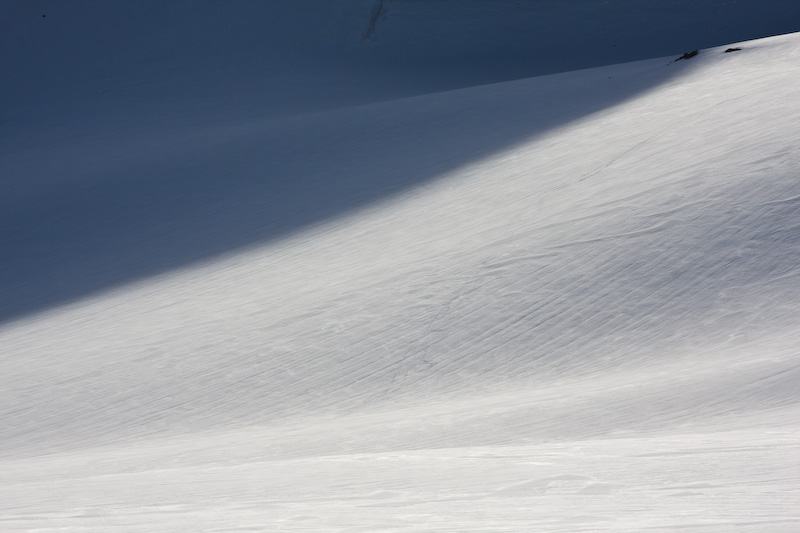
562,303
127,127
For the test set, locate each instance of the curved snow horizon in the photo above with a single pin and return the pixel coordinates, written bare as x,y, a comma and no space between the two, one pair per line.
146,137
472,301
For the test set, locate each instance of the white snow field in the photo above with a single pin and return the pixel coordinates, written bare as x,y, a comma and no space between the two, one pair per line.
399,301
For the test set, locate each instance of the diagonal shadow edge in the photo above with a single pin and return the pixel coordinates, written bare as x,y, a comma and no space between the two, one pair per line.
120,212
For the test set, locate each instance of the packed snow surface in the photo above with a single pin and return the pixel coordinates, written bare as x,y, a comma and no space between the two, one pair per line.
563,303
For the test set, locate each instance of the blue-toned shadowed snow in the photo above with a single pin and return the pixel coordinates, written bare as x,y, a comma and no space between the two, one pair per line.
351,266
140,137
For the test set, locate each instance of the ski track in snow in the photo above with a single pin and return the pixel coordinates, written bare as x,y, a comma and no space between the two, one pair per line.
593,329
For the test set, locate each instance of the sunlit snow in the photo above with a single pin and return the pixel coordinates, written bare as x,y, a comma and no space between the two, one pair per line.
565,302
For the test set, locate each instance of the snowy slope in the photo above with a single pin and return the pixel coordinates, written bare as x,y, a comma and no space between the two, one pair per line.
90,69
109,107
562,303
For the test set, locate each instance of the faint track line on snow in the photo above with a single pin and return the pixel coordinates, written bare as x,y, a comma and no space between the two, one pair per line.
620,156
652,229
378,10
